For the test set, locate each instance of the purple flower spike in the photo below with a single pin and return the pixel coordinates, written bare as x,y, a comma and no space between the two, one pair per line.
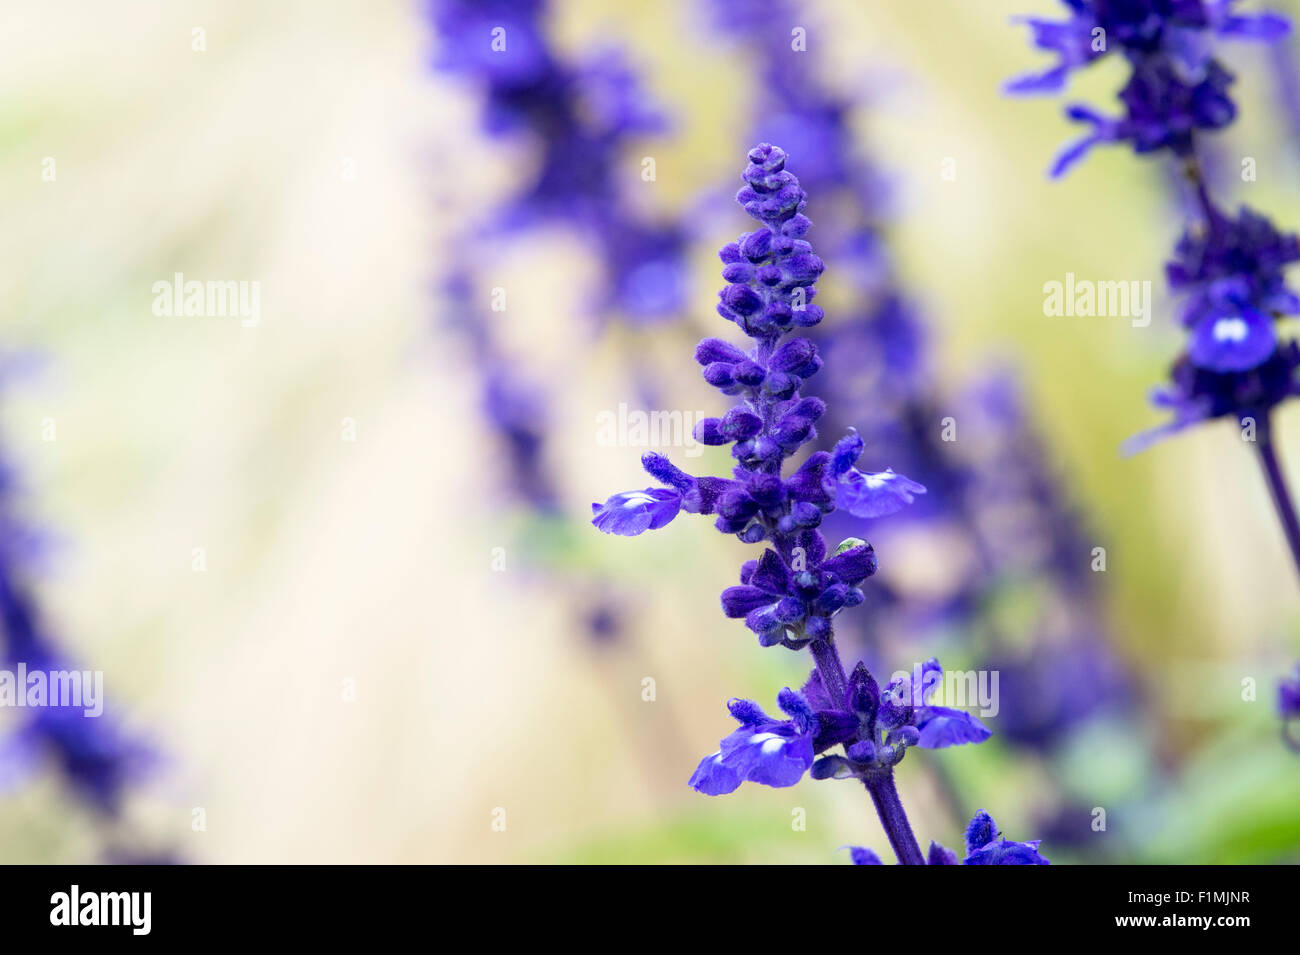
790,594
1228,271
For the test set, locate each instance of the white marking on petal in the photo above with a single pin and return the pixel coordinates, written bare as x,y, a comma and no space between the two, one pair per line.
770,743
1231,330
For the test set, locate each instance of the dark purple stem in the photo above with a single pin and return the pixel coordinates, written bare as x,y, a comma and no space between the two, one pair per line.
831,669
890,808
1277,485
1278,488
883,792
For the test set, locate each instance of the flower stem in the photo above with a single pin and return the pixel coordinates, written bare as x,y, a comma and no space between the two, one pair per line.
890,809
1277,486
829,665
883,792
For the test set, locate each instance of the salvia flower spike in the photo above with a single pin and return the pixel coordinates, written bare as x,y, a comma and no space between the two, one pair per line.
880,375
790,594
1228,270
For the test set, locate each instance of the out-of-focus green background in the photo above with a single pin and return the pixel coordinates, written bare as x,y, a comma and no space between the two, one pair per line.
351,679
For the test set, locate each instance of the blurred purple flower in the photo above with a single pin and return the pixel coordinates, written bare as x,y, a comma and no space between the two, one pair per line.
1176,87
94,757
1230,271
583,116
